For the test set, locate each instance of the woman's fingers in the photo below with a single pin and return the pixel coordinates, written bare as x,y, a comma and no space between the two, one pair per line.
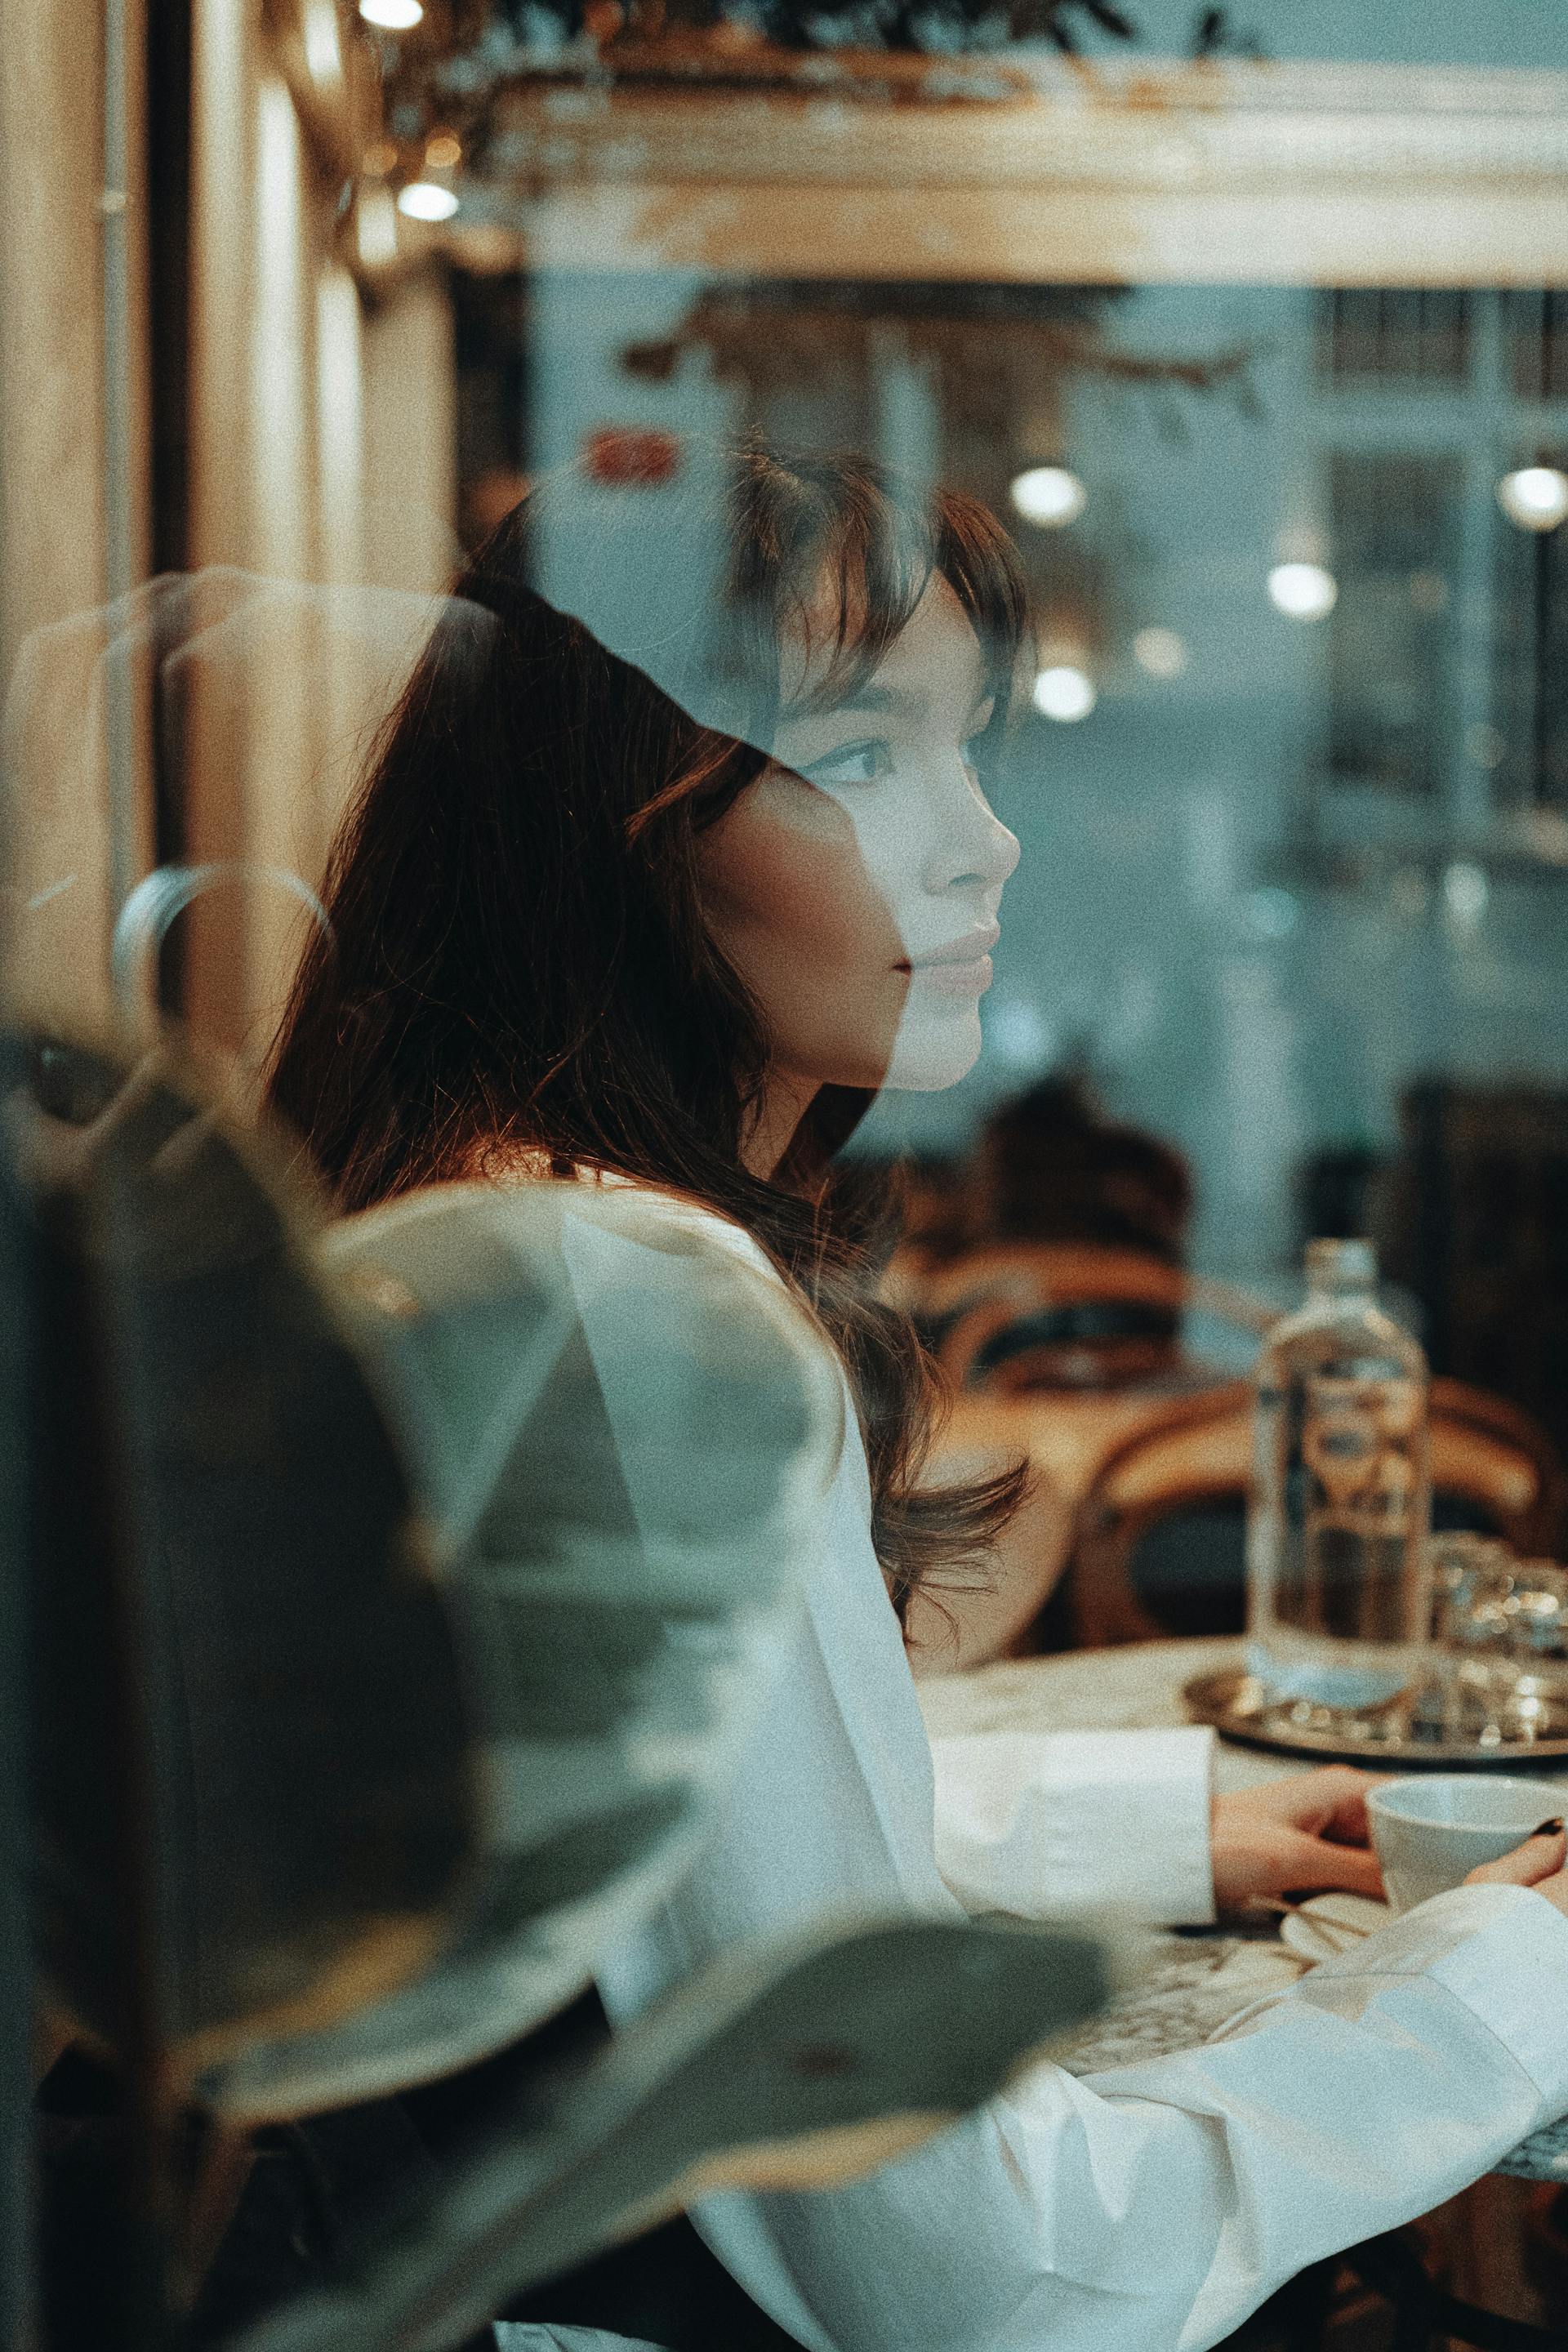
1315,1865
1329,1803
1271,1857
1344,1796
1539,1857
1307,1835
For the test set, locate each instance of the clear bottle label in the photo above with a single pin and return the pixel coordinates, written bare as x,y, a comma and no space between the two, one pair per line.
1338,1597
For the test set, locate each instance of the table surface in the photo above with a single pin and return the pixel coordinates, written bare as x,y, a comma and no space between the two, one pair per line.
1198,1977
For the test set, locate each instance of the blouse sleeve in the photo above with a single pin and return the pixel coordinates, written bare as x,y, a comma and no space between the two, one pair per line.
1146,2209
1048,1824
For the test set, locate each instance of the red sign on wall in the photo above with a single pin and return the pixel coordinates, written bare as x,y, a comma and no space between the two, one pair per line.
631,457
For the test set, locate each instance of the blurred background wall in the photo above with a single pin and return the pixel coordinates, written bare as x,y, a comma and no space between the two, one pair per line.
1279,862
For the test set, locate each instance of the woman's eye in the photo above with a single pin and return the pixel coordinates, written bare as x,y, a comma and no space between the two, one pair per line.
854,763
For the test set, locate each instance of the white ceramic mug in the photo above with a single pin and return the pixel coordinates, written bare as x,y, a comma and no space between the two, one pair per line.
1431,1830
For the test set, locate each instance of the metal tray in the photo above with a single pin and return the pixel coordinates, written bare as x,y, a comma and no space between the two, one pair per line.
1237,1705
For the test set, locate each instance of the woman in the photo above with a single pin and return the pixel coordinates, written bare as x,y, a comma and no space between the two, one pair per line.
674,913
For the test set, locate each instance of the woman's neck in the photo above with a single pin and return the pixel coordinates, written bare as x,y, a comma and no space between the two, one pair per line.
786,1099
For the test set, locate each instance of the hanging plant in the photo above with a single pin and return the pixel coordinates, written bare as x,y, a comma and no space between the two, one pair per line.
518,31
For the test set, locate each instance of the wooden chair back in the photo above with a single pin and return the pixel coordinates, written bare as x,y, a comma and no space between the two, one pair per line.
985,1615
1022,1316
1186,1453
1538,1519
1066,1271
1065,1439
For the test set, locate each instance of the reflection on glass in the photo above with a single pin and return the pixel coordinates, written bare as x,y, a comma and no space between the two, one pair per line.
539,693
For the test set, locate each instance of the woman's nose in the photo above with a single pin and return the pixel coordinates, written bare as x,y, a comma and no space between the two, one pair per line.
979,853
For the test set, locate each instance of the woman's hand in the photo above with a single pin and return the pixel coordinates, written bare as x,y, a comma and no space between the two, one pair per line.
1537,1863
1303,1835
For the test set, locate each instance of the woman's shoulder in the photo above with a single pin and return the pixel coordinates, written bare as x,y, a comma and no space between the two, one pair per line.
659,1212
646,1250
532,1200
690,1330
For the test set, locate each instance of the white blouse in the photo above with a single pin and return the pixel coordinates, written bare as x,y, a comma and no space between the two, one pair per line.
1139,2210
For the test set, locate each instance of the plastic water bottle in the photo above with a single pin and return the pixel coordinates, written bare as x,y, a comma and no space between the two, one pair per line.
1339,1603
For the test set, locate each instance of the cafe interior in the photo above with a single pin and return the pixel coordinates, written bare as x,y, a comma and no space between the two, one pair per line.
520,1836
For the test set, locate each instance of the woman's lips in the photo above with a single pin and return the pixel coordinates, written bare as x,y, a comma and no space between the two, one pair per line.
969,978
962,968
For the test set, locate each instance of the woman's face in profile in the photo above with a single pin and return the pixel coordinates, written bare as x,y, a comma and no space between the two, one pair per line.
855,886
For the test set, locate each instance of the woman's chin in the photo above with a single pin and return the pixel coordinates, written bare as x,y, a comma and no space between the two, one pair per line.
933,1055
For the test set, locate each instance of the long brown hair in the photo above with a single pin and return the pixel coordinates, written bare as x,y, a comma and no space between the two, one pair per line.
518,966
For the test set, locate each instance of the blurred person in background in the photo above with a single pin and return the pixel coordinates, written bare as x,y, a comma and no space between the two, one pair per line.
1051,1166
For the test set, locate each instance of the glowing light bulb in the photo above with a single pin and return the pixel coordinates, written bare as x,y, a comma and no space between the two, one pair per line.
423,200
392,15
1465,894
1049,495
1534,497
1306,591
1065,691
1160,652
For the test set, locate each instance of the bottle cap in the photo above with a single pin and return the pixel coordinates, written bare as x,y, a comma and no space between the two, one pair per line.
1341,1265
